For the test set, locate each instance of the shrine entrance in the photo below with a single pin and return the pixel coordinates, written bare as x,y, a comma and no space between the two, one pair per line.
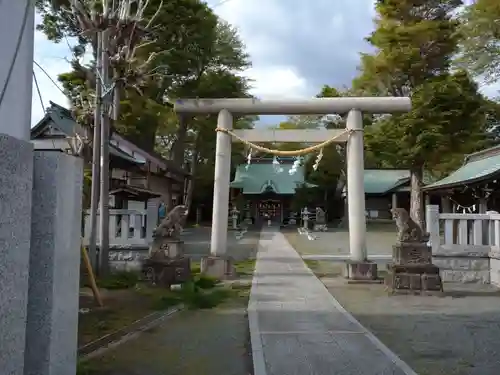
352,107
270,209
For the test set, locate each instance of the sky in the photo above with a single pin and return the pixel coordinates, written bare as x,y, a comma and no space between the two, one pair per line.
295,47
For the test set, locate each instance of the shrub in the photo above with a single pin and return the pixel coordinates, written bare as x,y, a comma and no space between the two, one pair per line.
119,280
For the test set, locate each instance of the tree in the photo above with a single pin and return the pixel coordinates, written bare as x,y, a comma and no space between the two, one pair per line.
416,41
480,45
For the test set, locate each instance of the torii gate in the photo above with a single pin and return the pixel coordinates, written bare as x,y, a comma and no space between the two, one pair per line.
353,135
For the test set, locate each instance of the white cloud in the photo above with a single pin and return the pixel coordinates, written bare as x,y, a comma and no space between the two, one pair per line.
277,82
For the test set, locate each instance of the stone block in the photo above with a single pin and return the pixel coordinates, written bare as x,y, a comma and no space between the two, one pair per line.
218,267
52,320
16,179
432,283
168,271
360,270
462,263
169,248
466,276
414,268
495,271
411,253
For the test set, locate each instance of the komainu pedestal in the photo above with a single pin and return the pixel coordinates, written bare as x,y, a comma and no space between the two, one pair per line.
166,264
411,270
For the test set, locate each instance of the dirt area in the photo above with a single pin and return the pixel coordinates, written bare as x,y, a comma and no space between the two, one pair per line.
129,301
124,306
191,342
458,334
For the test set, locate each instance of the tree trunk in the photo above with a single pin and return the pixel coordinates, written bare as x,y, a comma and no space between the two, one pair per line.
190,187
180,142
416,212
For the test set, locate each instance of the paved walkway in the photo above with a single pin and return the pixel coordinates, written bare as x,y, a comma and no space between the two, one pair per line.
298,328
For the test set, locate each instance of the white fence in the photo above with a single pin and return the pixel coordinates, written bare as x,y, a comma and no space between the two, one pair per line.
127,228
465,246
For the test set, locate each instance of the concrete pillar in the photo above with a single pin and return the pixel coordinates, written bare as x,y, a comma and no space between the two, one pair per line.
152,217
54,272
16,67
432,226
394,200
218,264
16,178
355,187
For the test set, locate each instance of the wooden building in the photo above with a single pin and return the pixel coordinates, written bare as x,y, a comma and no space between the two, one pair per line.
472,188
266,189
136,175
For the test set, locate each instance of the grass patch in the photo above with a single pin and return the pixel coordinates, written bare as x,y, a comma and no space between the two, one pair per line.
127,299
86,368
119,280
312,264
245,267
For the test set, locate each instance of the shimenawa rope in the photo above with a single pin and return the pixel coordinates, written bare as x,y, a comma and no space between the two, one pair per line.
300,152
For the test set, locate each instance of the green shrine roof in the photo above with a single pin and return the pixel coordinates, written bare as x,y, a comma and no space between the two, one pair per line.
262,177
477,167
381,181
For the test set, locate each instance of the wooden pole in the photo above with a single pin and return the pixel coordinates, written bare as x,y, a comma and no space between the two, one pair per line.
93,284
96,155
104,187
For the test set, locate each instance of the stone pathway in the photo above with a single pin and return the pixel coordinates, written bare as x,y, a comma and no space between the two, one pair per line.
297,327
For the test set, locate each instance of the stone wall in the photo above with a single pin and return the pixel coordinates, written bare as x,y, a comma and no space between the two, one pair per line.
495,268
464,267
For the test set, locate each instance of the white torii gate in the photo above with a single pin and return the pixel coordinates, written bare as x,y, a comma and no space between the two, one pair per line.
354,107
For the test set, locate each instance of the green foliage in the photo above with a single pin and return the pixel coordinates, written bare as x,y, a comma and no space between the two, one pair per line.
447,121
415,42
205,282
119,280
480,32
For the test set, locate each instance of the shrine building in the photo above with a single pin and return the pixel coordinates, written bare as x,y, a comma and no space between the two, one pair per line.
266,189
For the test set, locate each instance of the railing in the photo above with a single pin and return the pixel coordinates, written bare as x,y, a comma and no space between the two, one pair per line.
462,232
465,246
126,228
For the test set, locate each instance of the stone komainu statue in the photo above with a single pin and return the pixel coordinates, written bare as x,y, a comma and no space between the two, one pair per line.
408,230
170,226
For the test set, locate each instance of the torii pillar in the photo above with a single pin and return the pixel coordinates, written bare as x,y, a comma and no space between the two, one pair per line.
359,267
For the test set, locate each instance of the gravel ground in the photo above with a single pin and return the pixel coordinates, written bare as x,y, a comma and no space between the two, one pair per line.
458,334
379,241
208,342
197,243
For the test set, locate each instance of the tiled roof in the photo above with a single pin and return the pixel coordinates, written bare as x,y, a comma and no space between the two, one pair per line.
478,167
380,181
262,177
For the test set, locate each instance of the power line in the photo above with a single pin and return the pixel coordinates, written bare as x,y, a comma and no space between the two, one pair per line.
38,90
49,77
16,51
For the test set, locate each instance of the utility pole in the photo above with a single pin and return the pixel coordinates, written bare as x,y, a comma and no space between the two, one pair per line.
105,122
96,154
